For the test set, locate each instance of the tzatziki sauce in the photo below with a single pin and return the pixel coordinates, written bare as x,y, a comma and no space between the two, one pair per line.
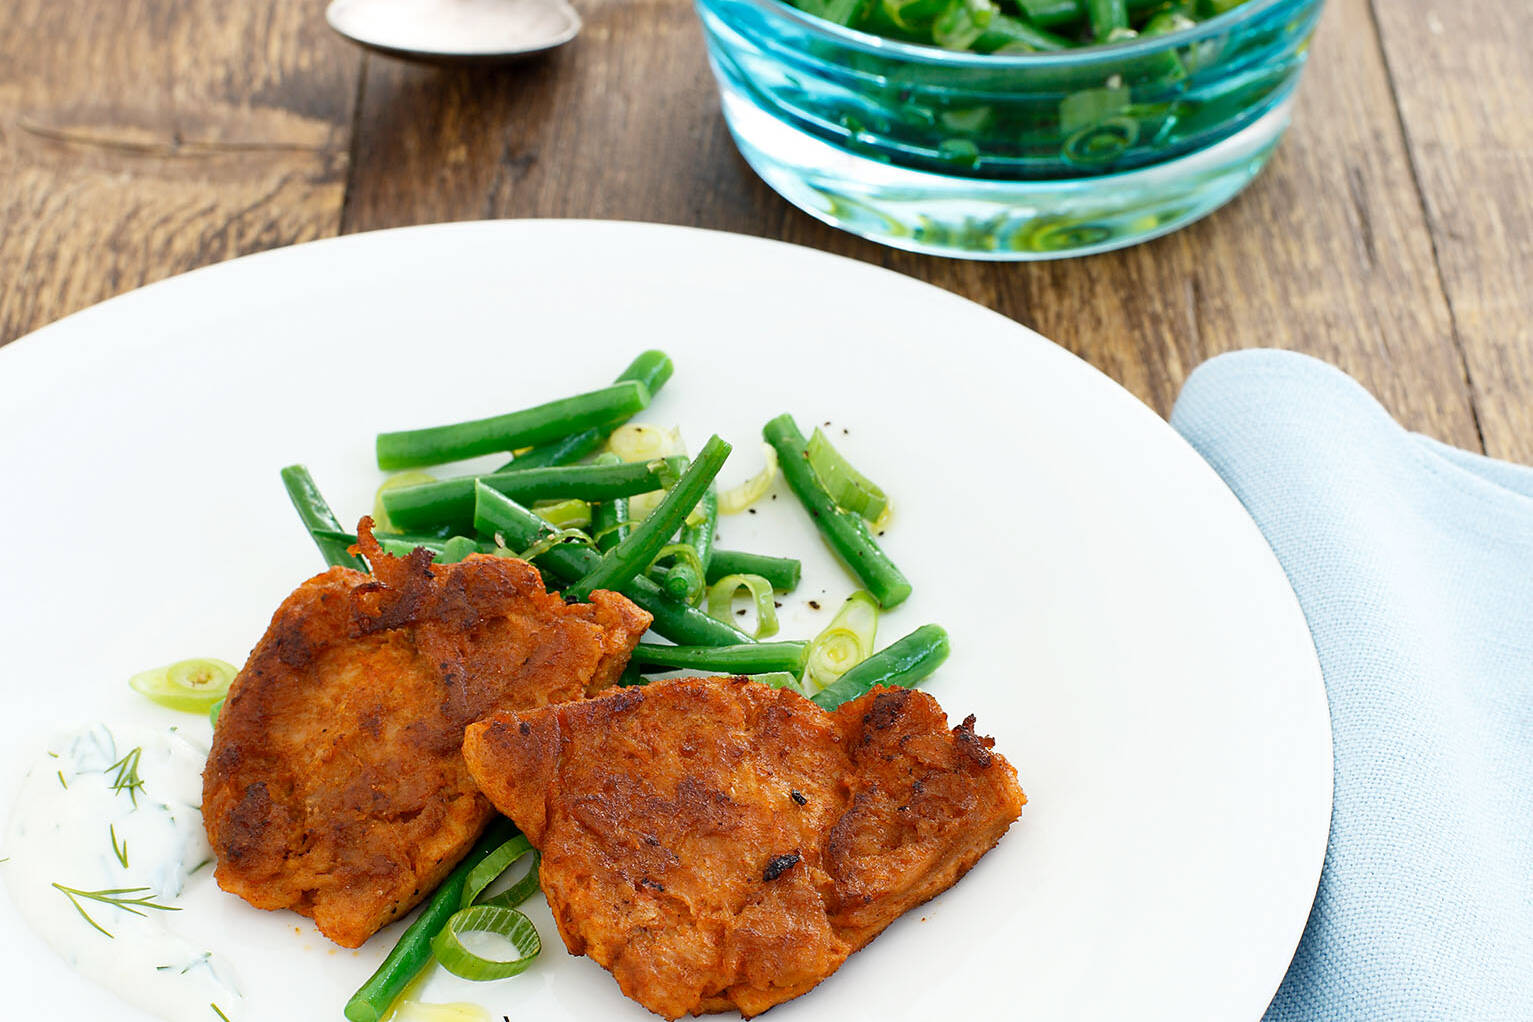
102,838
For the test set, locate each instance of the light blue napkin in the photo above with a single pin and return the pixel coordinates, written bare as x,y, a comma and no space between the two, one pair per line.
1414,564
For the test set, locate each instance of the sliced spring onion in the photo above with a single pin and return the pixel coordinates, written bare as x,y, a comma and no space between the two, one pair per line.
846,642
552,540
721,599
505,922
686,554
414,477
637,442
564,514
850,489
642,505
737,498
491,866
190,685
519,891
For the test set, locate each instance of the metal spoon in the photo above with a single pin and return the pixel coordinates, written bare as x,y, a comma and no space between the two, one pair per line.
455,31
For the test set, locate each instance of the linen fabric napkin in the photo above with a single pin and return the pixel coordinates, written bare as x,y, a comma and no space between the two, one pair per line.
1413,562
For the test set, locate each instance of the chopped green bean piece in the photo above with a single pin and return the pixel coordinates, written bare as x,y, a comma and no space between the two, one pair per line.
416,448
318,518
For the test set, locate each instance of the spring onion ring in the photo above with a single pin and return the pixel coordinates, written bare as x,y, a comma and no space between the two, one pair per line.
737,498
189,685
448,947
850,489
553,539
721,598
564,514
493,865
637,442
846,642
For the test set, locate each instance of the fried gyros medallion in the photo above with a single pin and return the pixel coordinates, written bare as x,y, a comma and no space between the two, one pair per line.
716,843
336,785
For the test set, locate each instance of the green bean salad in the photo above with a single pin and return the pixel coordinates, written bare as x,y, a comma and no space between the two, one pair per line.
595,501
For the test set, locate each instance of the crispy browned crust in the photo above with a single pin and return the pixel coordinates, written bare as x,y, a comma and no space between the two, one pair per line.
719,844
336,784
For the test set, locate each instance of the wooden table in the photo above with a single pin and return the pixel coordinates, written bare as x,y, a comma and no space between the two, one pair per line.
1392,233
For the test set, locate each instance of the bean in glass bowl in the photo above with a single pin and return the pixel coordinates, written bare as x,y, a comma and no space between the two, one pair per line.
1018,129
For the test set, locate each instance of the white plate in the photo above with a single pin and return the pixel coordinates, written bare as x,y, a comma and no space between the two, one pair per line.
1118,623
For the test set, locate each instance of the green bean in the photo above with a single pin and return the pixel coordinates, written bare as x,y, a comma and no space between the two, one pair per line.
682,581
1057,13
418,447
496,513
1165,22
651,368
564,451
682,624
846,534
1106,17
410,955
451,501
905,663
443,550
318,518
782,572
633,555
1048,13
778,679
744,658
609,523
1016,33
392,541
457,548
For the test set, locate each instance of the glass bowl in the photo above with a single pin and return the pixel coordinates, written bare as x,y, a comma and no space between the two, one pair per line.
1022,156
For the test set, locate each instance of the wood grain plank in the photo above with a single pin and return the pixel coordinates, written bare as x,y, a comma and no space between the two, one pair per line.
1327,253
1462,75
142,138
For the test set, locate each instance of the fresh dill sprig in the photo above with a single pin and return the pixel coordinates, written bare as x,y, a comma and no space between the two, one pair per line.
127,778
117,896
197,868
62,782
219,1013
120,852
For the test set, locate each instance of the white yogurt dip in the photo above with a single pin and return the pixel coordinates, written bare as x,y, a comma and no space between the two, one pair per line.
118,809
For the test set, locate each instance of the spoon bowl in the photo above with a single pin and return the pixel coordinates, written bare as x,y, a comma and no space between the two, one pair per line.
455,31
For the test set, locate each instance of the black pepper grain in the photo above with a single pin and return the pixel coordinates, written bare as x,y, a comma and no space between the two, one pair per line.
778,865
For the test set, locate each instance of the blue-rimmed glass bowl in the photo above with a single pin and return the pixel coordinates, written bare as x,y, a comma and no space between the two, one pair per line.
1024,156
